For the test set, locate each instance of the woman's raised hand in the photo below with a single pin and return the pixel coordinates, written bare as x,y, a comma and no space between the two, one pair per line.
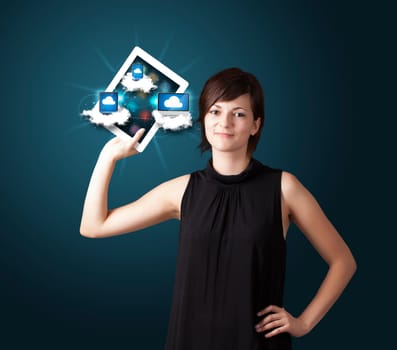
118,149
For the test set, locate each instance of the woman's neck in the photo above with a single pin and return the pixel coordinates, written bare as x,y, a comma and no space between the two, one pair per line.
230,163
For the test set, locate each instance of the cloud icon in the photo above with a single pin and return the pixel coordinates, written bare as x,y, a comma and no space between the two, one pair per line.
130,84
173,102
108,100
138,71
95,116
179,122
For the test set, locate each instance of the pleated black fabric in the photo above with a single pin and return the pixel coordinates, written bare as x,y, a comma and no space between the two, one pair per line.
231,261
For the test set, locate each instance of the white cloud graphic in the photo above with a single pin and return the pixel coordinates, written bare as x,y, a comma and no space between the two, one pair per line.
179,122
95,116
108,100
138,71
145,84
173,102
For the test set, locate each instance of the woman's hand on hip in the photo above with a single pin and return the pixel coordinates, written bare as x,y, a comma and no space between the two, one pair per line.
277,320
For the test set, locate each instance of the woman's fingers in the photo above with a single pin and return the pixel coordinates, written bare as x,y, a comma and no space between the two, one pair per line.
138,135
130,145
271,325
278,320
119,148
276,331
270,308
268,321
275,322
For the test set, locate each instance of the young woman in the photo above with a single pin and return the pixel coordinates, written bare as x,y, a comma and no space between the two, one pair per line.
234,216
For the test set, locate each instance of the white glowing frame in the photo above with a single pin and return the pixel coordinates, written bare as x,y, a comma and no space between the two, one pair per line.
138,52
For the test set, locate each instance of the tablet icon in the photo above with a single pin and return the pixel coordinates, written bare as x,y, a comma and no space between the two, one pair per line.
137,71
108,102
133,93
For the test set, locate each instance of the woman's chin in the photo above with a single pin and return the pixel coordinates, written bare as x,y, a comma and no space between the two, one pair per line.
227,147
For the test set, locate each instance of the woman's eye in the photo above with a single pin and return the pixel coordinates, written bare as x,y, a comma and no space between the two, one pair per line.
214,112
239,114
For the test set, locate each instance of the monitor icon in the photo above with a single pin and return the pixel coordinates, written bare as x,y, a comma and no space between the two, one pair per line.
108,102
137,71
173,102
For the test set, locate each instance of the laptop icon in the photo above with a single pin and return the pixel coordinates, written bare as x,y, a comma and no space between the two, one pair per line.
172,104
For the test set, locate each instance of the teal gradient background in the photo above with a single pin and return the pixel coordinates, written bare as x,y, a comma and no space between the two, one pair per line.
60,290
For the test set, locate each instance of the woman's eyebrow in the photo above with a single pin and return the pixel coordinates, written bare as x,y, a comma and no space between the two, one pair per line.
238,107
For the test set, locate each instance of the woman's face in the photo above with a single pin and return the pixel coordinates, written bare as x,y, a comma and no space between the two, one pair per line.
229,124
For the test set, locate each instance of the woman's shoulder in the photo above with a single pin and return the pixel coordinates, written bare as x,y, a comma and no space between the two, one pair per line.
289,181
178,183
291,187
181,182
265,168
172,192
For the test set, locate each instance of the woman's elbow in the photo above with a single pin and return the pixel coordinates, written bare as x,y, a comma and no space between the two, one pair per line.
353,265
87,232
349,265
345,264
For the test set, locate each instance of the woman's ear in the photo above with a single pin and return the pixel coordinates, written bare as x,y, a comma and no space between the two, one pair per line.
256,125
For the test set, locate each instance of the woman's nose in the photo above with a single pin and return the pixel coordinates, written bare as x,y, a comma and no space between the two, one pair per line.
225,120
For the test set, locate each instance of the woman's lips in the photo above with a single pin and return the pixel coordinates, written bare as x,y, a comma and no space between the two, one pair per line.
224,134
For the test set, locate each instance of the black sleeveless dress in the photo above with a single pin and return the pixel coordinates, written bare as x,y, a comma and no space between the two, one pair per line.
231,261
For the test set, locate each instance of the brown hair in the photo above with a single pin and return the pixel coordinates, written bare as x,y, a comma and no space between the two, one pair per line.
226,86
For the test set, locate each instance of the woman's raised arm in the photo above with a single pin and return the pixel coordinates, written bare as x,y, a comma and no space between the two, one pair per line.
160,204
